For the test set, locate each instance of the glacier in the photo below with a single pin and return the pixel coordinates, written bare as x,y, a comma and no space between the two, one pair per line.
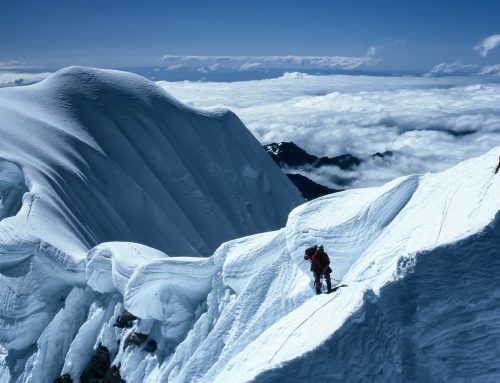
420,256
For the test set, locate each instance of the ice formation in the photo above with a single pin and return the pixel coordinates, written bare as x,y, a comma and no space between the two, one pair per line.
420,256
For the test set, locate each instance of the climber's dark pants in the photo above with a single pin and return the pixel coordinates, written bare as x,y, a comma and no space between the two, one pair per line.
317,279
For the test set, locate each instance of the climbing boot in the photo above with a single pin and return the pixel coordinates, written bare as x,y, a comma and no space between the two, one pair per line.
318,291
329,286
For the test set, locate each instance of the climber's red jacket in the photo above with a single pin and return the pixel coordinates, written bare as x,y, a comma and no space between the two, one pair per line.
319,260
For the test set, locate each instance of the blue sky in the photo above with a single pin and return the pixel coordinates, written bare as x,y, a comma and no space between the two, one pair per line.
401,35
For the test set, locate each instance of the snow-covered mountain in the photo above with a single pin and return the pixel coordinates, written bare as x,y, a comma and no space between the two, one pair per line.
420,256
301,167
111,156
288,154
90,156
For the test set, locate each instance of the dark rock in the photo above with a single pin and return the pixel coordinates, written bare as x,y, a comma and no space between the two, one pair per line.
99,369
289,154
65,378
387,153
151,346
114,375
135,338
308,188
126,320
344,161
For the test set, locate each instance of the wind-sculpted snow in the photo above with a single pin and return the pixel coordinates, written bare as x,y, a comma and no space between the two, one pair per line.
35,278
111,156
12,188
445,210
350,221
413,253
110,265
419,254
90,156
169,289
440,323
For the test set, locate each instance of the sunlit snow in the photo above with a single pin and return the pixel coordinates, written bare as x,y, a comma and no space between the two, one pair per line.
123,201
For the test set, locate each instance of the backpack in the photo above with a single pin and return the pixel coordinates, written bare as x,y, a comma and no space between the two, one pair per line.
323,257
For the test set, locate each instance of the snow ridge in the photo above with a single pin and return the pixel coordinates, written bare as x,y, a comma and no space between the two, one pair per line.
111,156
420,254
90,156
439,323
447,216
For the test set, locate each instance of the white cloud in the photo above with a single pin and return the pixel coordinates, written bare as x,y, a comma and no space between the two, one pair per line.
430,123
453,68
12,64
489,43
9,78
246,66
370,52
490,69
174,67
457,68
292,62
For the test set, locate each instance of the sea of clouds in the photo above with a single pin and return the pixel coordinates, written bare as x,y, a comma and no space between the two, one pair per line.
428,123
11,78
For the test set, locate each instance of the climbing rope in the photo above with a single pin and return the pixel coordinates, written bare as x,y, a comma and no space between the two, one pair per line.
336,294
304,321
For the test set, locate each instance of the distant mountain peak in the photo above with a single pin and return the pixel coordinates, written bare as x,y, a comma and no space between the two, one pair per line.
291,155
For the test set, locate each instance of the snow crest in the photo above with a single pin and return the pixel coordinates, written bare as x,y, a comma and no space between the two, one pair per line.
92,156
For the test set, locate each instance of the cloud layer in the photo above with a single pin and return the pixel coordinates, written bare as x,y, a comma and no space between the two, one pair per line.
213,63
13,78
429,123
457,68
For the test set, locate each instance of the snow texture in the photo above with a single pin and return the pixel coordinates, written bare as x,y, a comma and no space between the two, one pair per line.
420,256
89,156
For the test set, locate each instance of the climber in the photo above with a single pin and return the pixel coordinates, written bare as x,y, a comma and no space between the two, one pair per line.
320,265
498,166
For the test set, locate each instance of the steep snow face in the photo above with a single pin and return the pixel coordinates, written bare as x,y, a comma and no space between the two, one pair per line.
111,156
420,256
440,323
89,156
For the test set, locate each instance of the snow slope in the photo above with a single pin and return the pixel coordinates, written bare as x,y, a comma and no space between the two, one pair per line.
420,255
421,258
89,156
111,156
